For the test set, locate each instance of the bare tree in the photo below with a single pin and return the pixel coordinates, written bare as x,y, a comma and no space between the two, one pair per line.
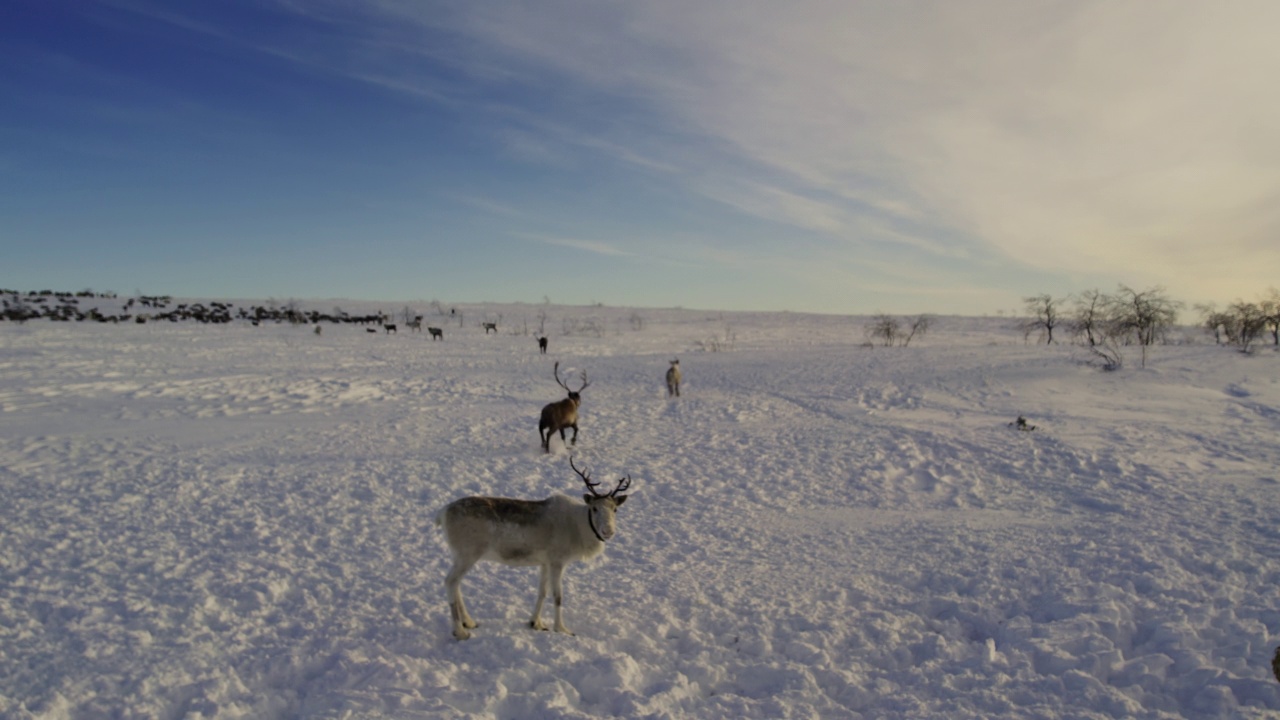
885,328
1044,312
1089,316
1250,322
1271,310
1145,315
1218,322
919,325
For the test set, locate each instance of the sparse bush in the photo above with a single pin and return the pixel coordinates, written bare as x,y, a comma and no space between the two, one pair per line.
1147,314
1220,323
1271,313
919,326
1044,312
584,326
1089,316
1248,320
716,343
888,330
884,328
1107,352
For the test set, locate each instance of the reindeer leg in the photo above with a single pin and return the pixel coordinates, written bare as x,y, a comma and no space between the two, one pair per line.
457,608
575,434
543,583
557,575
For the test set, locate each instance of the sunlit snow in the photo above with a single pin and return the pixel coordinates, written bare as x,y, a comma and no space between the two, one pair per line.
230,521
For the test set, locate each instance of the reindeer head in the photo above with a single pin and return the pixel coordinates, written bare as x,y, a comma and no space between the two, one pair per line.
574,395
601,509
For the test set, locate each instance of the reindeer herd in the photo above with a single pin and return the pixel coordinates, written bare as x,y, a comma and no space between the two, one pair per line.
548,533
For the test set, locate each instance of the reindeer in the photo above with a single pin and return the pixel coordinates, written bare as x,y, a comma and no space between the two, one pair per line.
557,416
390,327
673,379
436,333
490,326
548,533
542,344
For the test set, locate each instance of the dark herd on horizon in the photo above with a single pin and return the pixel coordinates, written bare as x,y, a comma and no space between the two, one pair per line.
556,417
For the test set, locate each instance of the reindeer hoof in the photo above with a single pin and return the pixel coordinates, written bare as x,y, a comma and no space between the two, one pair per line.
461,634
538,625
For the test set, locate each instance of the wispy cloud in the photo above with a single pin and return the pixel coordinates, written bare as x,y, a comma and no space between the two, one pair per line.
1095,138
591,246
1084,137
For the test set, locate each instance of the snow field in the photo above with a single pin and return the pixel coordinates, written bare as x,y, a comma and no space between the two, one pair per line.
234,521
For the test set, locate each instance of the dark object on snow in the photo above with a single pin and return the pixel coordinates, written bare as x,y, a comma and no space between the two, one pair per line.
1275,664
558,416
1021,424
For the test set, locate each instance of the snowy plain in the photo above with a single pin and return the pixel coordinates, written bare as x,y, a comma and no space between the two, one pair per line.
229,521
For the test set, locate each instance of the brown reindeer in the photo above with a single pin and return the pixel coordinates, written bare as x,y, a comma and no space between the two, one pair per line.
563,414
436,333
548,533
542,345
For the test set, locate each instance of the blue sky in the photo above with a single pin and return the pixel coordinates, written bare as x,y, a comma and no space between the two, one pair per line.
908,157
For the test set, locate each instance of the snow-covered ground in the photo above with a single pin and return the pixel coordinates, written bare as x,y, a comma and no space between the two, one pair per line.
235,521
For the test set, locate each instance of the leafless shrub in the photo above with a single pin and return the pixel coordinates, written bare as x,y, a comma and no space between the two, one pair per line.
584,326
883,328
717,343
1089,316
919,325
1045,315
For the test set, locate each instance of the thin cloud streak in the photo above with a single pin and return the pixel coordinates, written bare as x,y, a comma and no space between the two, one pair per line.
920,146
1075,137
591,246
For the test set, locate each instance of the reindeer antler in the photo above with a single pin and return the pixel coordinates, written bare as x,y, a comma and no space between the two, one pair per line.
556,371
586,478
623,483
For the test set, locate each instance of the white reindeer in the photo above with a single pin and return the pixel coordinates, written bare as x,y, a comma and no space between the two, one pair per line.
549,533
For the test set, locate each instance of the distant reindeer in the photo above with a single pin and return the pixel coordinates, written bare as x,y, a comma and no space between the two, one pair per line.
436,333
415,324
490,326
390,328
563,414
542,344
673,379
318,330
549,533
370,330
